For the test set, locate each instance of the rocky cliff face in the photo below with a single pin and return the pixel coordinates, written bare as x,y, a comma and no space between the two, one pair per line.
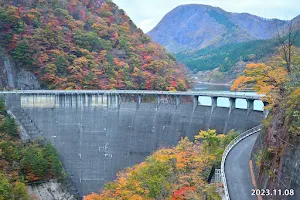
194,26
51,190
13,77
276,156
3,76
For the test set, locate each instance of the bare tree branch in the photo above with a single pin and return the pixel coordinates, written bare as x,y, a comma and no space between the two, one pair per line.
287,44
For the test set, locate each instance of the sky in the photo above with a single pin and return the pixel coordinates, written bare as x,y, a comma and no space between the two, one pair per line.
147,13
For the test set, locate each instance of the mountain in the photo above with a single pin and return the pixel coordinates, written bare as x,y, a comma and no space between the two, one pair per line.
82,44
226,63
195,26
226,56
217,44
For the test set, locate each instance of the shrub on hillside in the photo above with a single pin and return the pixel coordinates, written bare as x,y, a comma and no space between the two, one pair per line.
2,107
9,126
15,191
40,162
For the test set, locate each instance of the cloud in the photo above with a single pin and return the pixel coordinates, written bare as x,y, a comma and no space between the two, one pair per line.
147,24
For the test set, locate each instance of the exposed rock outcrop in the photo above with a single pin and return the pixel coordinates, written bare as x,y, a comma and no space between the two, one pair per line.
276,159
52,190
27,81
3,74
14,77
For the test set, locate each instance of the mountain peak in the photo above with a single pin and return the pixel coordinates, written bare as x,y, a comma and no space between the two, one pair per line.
194,8
197,26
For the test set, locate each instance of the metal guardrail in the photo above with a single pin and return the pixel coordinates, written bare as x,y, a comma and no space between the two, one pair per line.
218,176
140,92
228,149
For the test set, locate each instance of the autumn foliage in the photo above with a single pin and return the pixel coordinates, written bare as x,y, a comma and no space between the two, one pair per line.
22,163
85,44
264,79
171,173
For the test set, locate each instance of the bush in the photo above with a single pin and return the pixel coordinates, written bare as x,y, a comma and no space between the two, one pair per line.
33,164
9,150
22,53
2,107
155,177
55,165
9,126
5,188
20,192
9,191
40,162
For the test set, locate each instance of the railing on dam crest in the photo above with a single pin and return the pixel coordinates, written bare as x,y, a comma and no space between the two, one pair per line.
114,98
138,92
228,149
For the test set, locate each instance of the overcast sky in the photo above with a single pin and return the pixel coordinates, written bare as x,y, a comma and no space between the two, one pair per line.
147,13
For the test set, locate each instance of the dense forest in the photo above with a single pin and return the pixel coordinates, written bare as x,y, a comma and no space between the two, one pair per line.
226,57
85,44
22,163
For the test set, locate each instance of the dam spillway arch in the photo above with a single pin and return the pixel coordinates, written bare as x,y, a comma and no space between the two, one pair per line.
99,133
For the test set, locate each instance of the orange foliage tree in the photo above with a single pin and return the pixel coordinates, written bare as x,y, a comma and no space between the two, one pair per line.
262,78
272,80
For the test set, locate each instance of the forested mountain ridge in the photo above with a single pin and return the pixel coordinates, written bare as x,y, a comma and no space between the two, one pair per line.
85,44
226,57
196,26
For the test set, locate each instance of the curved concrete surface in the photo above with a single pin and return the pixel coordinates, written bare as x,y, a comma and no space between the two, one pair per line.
98,135
237,170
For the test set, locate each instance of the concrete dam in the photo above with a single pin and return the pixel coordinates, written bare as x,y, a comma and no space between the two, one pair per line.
99,133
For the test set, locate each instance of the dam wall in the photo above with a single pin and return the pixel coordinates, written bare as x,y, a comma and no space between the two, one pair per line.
98,135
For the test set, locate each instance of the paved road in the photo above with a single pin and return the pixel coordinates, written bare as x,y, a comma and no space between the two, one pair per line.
237,170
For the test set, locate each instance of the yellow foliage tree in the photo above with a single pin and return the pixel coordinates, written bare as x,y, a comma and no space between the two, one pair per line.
264,79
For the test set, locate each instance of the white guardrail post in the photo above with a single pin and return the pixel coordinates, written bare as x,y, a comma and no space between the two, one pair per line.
228,149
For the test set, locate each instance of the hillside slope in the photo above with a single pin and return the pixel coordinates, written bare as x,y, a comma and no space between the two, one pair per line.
196,26
84,44
226,57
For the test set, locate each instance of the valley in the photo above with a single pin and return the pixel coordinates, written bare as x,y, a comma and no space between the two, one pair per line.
205,106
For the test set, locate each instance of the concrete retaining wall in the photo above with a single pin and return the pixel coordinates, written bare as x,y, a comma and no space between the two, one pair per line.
97,136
